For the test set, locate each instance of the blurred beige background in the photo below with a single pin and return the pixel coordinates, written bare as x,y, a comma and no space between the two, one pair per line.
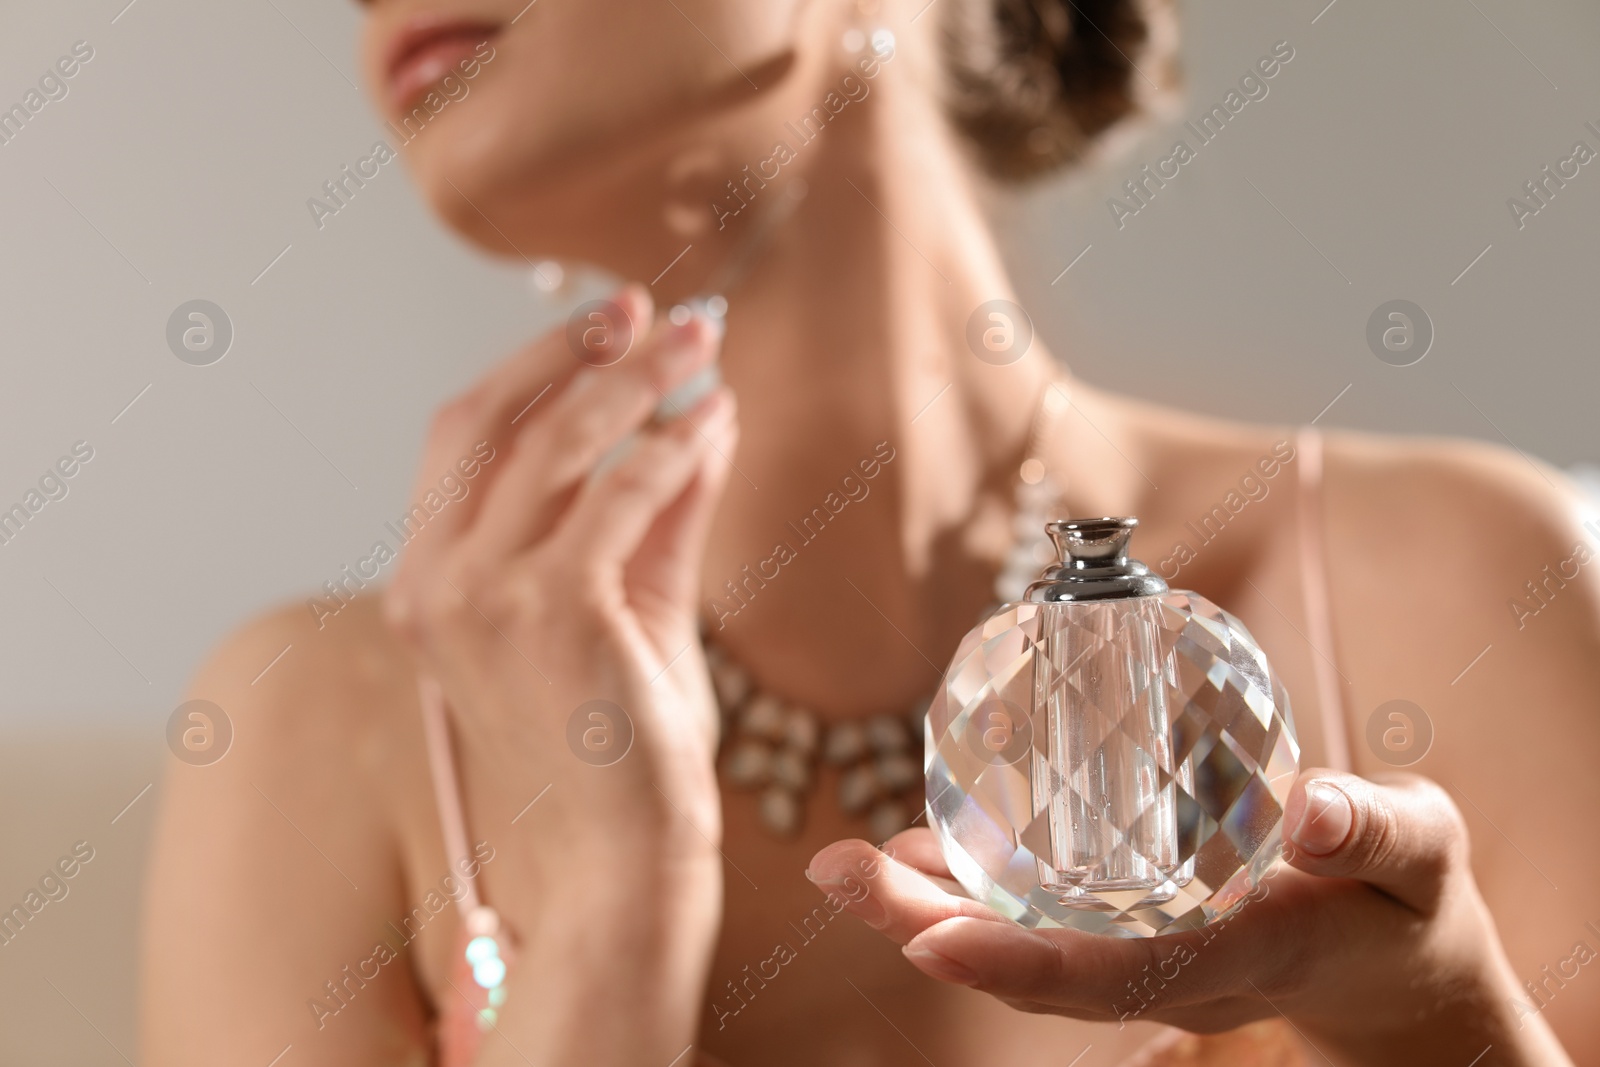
178,166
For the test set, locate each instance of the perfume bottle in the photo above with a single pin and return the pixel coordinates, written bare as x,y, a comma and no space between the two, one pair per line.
1109,782
1107,753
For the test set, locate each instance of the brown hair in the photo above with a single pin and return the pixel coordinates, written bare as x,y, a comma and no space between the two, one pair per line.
1033,83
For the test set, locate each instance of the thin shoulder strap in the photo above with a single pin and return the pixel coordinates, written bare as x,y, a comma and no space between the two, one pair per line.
446,791
1319,611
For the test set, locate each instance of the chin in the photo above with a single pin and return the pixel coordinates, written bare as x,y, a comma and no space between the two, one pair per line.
623,203
528,145
624,187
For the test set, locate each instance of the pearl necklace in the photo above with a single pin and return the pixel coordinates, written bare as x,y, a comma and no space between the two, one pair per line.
773,746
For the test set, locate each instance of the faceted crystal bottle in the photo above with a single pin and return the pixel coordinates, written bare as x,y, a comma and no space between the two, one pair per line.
1107,754
1108,782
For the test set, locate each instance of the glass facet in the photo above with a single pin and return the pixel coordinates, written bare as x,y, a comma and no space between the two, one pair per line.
1118,766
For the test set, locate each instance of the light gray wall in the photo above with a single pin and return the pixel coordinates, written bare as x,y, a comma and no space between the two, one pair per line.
1378,167
179,165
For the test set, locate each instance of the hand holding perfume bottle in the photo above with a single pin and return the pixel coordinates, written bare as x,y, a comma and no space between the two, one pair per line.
1109,756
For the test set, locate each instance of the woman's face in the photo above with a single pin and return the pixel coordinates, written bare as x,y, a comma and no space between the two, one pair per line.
554,127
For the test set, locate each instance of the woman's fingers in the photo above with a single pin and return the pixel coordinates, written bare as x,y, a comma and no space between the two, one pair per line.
467,450
917,847
1403,835
502,402
560,444
669,566
1257,950
611,514
899,901
1369,857
1001,958
502,398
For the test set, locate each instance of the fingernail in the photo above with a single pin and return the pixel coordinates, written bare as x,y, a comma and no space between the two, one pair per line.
1326,820
941,967
864,906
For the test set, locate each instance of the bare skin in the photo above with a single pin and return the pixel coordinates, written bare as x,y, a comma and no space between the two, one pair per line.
638,891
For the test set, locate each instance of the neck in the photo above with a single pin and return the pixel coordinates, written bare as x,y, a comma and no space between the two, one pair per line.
846,344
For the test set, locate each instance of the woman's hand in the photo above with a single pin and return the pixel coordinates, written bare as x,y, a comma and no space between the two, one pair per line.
551,584
554,602
1373,941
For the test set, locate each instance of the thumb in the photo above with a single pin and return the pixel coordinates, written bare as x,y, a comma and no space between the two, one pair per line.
1403,835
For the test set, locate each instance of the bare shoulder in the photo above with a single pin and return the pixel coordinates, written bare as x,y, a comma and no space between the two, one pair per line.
328,706
1449,479
1474,536
342,677
276,864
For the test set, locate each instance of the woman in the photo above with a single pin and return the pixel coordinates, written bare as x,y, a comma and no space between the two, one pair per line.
578,536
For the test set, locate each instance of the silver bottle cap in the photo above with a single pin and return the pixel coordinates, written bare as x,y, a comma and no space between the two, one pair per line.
1093,564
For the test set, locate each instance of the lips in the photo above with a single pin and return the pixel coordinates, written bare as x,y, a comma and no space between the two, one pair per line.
425,50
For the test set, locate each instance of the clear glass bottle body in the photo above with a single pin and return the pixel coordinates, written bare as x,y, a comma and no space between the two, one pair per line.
1106,779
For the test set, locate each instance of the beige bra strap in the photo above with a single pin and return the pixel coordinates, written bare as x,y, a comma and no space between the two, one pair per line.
446,790
1319,611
